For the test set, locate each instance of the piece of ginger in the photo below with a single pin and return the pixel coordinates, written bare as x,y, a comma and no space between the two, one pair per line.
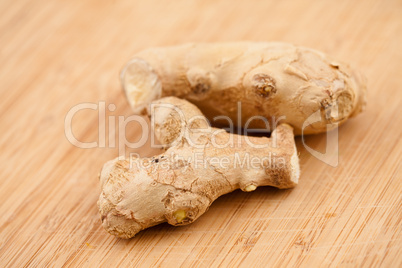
273,80
200,164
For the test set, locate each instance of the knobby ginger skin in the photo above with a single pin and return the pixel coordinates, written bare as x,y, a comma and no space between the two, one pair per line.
200,164
268,79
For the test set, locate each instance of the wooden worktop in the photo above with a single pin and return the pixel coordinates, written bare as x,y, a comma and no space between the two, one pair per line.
57,54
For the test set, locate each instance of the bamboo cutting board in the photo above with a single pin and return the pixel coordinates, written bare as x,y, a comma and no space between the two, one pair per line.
57,54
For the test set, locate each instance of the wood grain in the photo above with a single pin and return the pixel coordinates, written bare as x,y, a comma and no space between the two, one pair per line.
57,54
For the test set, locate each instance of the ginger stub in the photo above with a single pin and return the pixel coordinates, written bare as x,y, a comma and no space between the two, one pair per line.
273,80
200,164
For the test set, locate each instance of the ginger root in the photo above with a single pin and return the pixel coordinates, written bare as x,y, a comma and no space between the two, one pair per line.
200,164
268,79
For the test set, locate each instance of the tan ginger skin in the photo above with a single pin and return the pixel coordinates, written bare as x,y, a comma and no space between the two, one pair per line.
138,193
269,79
